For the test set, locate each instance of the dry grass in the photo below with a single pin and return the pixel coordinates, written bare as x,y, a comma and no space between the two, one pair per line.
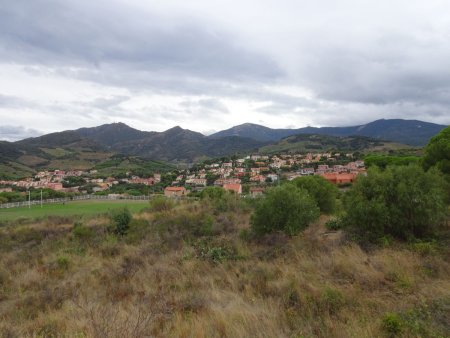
162,281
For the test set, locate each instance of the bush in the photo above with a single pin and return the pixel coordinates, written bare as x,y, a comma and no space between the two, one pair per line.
120,221
334,224
220,199
161,203
284,208
437,152
82,232
392,324
332,300
321,190
402,202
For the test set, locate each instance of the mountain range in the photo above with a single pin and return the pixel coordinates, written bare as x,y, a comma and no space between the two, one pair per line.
411,132
86,147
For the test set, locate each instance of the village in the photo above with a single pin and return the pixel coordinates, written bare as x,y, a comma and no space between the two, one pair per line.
248,175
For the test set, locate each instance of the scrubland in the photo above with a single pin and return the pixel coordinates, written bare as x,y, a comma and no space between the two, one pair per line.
193,269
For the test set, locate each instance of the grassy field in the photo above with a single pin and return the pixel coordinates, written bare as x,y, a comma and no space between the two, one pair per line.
69,209
190,270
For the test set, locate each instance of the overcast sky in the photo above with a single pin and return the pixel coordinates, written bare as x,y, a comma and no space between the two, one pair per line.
208,65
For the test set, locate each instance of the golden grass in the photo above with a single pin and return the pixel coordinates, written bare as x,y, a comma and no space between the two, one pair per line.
314,285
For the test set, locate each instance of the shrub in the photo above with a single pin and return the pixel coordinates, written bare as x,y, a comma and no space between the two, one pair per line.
284,208
437,152
334,224
392,324
213,193
221,200
161,203
321,190
332,300
120,221
63,262
402,202
82,232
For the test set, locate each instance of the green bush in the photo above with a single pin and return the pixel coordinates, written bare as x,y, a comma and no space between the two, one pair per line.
120,221
334,224
321,190
437,152
284,208
220,199
213,193
82,232
161,203
332,300
403,202
392,324
63,262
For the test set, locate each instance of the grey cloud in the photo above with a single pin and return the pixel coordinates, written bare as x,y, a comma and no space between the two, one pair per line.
14,133
356,71
9,101
74,33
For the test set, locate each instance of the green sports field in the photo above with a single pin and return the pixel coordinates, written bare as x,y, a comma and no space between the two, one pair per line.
90,207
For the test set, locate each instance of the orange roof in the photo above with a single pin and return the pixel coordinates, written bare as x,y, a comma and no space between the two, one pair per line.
175,188
232,186
257,189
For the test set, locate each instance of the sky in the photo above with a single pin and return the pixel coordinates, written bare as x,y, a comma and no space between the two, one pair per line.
207,65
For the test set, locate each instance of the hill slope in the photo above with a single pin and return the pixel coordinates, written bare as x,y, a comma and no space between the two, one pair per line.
411,132
314,142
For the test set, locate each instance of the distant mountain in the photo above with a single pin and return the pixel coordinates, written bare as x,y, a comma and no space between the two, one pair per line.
319,143
88,147
112,134
256,132
411,132
173,145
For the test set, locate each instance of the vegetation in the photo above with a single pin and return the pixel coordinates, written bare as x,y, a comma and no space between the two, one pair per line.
222,266
285,208
75,208
403,202
437,153
189,270
311,142
323,192
120,221
382,161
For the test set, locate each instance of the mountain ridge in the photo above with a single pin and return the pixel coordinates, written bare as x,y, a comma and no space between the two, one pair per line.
411,132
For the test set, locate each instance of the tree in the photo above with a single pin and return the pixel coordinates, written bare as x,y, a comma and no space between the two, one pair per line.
321,190
284,208
437,153
402,201
213,193
120,221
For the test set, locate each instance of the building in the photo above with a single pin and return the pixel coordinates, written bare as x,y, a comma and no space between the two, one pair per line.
175,191
197,181
256,191
340,178
237,188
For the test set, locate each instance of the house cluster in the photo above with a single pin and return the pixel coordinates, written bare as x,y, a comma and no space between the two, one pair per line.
259,170
55,180
250,174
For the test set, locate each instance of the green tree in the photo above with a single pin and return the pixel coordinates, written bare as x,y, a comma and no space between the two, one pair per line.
120,221
321,190
284,208
402,202
437,153
214,193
